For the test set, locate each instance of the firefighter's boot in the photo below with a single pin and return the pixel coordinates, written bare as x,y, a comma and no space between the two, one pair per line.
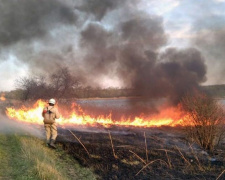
48,144
52,144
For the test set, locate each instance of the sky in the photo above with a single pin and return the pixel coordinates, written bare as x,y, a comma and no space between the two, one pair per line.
100,41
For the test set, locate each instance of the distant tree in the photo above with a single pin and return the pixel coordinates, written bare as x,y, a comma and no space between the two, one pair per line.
60,84
14,94
33,87
63,83
206,119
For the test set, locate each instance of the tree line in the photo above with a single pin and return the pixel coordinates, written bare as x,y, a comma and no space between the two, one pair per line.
61,84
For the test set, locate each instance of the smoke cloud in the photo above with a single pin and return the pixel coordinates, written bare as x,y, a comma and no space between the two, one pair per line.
212,44
96,39
11,127
27,19
99,8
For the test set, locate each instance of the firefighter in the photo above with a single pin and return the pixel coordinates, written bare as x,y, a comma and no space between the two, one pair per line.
50,113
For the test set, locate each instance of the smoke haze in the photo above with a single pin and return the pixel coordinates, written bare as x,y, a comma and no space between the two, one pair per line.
11,127
212,44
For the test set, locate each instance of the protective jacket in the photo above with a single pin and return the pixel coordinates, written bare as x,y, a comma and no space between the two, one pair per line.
50,113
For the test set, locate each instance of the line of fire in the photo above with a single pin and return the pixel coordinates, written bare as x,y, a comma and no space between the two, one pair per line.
168,117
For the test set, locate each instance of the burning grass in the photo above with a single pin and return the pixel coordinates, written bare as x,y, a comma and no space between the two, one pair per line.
170,116
2,97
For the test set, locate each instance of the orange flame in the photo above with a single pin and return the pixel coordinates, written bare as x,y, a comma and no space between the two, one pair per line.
169,117
2,98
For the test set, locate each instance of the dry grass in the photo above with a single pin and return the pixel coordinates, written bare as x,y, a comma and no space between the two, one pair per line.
146,162
51,164
150,164
43,160
25,157
220,175
80,142
167,156
181,154
142,160
201,168
47,171
146,148
114,154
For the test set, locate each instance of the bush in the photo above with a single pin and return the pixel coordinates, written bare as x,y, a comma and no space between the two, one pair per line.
206,119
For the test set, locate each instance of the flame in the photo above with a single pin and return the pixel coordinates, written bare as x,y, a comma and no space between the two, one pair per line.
169,117
2,98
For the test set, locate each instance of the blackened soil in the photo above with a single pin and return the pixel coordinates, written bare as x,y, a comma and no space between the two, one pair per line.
169,155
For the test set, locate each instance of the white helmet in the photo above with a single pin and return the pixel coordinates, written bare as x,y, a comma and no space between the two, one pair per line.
51,101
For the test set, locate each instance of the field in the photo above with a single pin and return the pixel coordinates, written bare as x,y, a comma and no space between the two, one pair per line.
119,152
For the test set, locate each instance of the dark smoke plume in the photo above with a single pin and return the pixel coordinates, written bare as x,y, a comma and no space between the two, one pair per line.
120,41
99,8
134,48
26,19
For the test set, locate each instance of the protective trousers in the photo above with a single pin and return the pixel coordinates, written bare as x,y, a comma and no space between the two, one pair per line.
51,132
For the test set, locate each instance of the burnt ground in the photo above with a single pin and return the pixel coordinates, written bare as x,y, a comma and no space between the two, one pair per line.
169,155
